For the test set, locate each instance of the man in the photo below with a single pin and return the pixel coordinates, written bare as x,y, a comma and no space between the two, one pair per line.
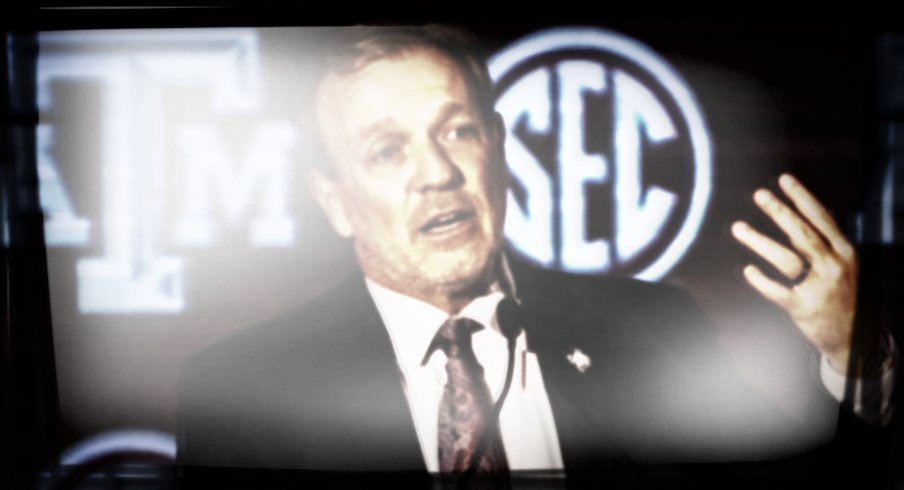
446,355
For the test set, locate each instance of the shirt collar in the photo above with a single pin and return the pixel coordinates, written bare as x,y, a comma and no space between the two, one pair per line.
412,323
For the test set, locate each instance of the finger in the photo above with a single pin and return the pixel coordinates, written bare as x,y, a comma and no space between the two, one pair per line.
804,238
772,290
786,261
816,213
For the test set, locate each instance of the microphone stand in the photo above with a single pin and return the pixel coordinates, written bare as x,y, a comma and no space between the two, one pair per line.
506,316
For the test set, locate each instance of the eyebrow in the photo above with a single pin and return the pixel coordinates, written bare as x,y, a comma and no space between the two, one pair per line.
447,111
388,124
383,125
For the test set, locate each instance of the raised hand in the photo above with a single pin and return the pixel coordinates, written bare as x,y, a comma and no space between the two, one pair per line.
822,266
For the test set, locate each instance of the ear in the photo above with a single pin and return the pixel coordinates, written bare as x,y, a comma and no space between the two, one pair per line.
328,195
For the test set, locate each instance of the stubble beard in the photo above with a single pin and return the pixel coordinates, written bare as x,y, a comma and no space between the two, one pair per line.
438,279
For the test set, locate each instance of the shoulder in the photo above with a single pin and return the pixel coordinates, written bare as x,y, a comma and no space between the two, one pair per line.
615,308
616,295
306,335
532,280
236,396
284,394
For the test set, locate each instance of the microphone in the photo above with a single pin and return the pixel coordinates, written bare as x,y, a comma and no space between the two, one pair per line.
508,314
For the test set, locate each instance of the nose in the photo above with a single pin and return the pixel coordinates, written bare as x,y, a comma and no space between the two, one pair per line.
435,169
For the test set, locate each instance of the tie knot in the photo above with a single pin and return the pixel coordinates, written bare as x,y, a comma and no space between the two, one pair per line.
454,338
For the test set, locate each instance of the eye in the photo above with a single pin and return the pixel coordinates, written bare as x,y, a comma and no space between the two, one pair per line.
389,153
464,132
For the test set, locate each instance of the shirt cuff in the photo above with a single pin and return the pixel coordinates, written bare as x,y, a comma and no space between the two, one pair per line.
870,397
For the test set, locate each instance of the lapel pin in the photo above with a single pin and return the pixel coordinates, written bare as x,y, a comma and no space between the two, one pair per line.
580,360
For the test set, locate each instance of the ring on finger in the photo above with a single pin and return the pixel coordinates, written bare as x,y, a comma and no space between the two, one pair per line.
802,276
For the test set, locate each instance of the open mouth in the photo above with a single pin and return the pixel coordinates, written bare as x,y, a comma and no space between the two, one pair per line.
446,221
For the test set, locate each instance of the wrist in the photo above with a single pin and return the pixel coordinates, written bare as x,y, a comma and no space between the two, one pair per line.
867,360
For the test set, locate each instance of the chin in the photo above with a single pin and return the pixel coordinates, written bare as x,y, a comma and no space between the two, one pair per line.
457,275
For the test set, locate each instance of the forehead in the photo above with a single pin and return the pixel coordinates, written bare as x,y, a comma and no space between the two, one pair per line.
407,88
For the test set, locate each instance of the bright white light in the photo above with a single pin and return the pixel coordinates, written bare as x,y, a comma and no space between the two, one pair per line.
120,441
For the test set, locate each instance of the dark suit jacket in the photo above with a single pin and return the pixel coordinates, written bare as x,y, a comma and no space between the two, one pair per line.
319,388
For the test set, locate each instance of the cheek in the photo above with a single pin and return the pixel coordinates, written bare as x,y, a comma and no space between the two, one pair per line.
379,218
492,199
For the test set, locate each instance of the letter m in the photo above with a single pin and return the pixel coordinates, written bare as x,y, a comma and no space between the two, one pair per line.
212,178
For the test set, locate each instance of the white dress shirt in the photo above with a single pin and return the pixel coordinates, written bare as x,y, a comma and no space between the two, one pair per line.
525,422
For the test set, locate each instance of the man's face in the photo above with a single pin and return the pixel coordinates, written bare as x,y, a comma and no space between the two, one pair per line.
420,176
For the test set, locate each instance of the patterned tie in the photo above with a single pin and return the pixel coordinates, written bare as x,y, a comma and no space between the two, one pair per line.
466,425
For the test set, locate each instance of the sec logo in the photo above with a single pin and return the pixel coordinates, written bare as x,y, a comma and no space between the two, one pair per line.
609,153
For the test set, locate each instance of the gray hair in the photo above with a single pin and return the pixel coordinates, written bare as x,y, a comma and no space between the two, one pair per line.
346,50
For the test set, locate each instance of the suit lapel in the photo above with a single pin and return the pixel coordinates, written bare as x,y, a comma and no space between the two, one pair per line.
576,399
557,329
385,398
342,387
